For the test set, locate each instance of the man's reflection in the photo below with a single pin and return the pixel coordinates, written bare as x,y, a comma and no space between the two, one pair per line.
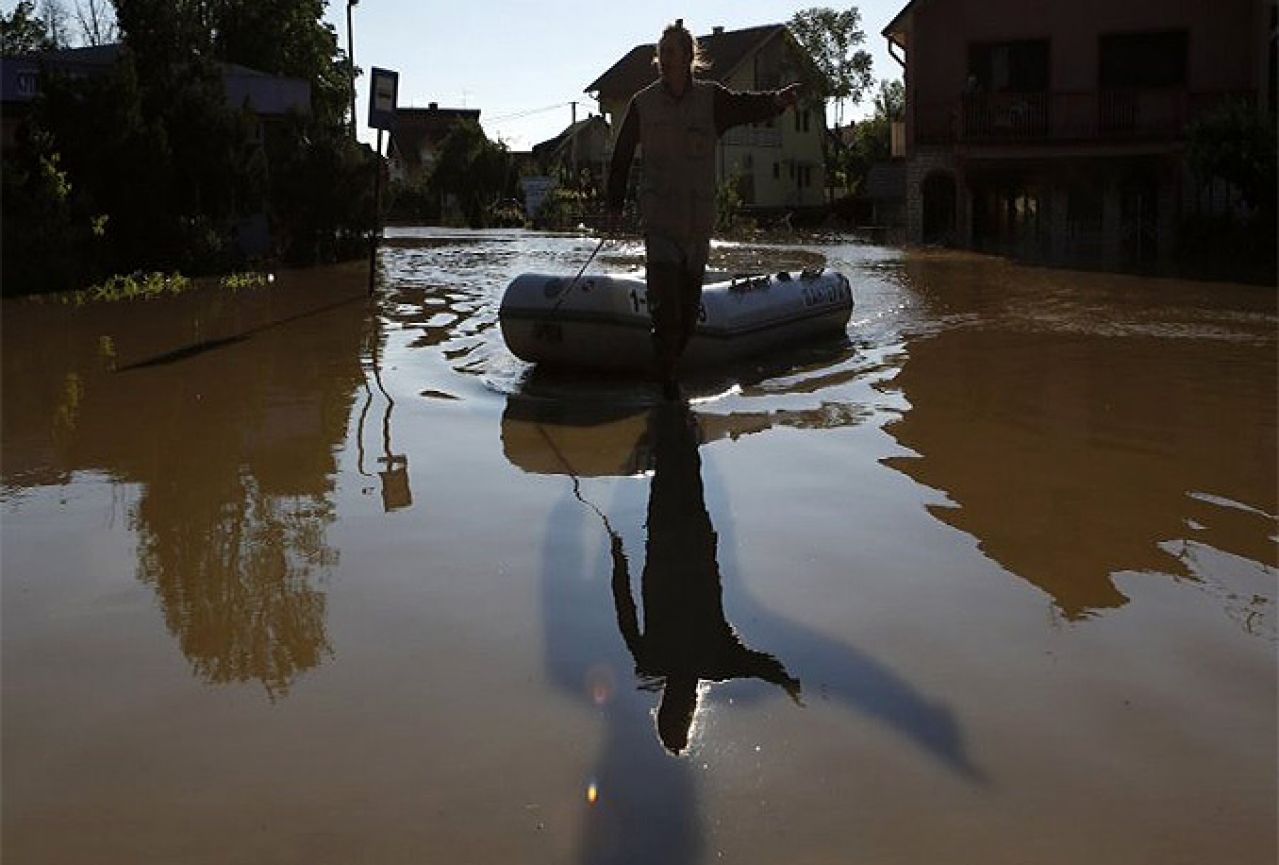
685,637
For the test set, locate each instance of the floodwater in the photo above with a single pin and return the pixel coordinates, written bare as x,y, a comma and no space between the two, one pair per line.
295,576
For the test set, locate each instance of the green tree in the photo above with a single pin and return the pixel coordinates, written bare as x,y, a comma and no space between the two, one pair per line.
23,32
472,169
873,137
831,39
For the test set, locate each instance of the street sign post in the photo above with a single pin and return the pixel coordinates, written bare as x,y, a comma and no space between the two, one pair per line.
384,85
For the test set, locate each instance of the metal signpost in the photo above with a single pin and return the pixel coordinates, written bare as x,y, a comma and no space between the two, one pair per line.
384,84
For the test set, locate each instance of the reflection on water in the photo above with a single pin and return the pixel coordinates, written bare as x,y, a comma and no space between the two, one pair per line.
233,465
684,639
678,637
394,476
1084,430
884,518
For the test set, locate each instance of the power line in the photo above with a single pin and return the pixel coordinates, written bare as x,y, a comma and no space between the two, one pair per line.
529,113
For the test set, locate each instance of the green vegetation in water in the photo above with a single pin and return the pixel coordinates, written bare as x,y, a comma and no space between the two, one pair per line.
132,286
148,286
248,279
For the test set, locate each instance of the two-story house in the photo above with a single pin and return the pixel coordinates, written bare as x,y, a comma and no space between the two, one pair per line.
776,165
1058,130
578,155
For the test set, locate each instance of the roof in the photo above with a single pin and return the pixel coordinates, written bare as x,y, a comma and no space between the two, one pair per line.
898,29
416,127
263,93
553,145
725,49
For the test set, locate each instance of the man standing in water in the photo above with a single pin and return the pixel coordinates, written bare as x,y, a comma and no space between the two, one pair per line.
678,119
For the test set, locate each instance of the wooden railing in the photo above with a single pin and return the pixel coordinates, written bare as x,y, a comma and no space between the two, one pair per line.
1062,117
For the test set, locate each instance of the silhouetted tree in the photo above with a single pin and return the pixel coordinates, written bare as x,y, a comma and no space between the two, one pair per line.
831,40
23,31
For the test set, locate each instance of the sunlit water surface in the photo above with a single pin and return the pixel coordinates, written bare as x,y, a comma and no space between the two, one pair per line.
295,576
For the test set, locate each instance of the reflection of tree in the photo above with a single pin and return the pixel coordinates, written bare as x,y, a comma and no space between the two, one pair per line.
233,576
230,439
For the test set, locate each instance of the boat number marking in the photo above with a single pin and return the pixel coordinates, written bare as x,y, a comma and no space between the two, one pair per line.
820,295
638,300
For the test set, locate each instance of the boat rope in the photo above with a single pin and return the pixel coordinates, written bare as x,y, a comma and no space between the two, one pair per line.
577,484
567,291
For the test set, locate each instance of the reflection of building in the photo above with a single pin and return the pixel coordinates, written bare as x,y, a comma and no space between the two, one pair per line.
1049,455
1060,128
776,163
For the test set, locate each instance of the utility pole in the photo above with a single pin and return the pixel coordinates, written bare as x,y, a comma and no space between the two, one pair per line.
350,61
572,142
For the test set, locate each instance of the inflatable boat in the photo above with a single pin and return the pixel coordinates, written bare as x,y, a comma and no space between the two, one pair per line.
602,323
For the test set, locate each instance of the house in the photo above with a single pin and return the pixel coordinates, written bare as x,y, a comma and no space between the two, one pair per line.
269,98
416,139
1058,130
777,165
580,152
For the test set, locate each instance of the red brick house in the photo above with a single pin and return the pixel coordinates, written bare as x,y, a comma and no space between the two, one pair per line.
1058,130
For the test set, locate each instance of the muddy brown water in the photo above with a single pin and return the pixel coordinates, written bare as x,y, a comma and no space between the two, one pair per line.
295,576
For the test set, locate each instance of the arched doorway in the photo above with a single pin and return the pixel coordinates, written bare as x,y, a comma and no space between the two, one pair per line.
938,193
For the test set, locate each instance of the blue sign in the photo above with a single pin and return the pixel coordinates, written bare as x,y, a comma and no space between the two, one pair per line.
384,84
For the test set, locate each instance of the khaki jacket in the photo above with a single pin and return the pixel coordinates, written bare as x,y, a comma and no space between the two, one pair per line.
677,193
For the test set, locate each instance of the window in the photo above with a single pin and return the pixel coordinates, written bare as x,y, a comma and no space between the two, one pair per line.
1137,60
1009,67
777,170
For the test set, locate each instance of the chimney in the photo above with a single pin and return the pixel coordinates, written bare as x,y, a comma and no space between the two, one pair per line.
434,106
718,30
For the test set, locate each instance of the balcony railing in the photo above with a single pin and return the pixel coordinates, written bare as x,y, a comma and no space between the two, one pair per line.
1096,116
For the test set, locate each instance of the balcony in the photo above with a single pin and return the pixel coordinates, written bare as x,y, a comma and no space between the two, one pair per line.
1099,117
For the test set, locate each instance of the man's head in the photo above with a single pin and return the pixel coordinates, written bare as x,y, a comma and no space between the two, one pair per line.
678,56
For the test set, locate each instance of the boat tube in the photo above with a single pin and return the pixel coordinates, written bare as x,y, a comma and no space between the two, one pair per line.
602,322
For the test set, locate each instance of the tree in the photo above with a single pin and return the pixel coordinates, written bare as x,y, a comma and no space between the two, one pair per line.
890,101
872,138
830,39
472,169
1236,143
23,32
55,22
96,22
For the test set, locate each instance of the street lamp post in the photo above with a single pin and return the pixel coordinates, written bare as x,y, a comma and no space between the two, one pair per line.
350,60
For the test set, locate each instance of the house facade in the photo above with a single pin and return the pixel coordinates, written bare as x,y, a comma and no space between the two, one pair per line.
267,98
417,137
1058,130
579,155
776,165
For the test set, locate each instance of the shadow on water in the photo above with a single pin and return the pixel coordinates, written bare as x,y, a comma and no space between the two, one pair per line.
232,454
677,640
